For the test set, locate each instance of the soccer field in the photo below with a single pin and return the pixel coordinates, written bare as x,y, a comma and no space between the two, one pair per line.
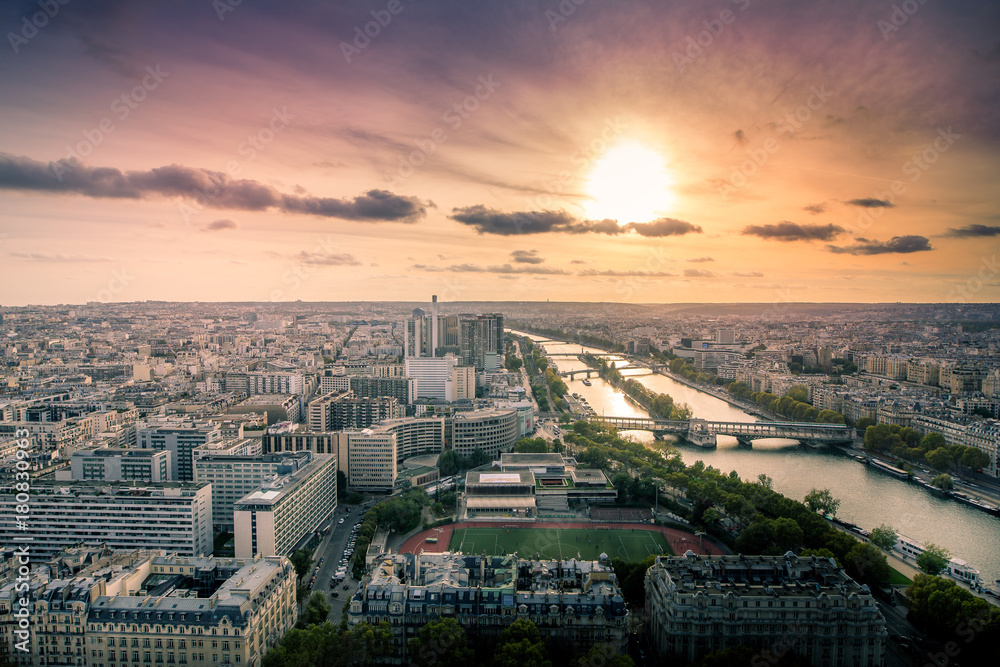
564,543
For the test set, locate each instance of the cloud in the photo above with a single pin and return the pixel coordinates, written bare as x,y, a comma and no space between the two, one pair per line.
207,188
578,261
897,244
871,202
815,208
491,221
698,273
58,257
791,231
741,136
626,274
973,231
697,260
748,274
220,225
327,258
526,257
505,269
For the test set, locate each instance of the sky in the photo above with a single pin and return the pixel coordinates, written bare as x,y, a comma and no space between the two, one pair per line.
572,150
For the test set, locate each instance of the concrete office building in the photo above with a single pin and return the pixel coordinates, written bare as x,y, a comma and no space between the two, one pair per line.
700,604
113,465
434,376
575,604
273,520
492,431
403,389
233,477
287,437
179,438
174,516
340,410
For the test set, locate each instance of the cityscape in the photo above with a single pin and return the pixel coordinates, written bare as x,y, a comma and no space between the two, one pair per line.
508,333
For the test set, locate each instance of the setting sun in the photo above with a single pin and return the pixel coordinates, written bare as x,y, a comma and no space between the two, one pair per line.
629,183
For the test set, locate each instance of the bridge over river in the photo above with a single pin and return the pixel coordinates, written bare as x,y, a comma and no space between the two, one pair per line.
703,433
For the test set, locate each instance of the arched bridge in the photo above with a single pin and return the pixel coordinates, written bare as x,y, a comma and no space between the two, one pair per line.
585,371
702,433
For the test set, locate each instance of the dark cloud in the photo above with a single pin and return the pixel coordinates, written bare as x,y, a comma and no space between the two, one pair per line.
698,273
973,231
578,261
700,260
626,274
526,257
491,221
871,202
815,208
327,258
219,225
206,188
791,231
741,136
748,274
505,269
897,244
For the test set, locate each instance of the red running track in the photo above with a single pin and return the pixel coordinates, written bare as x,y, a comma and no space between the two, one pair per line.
679,540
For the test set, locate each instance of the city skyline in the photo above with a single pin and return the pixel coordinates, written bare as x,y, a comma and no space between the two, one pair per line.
572,151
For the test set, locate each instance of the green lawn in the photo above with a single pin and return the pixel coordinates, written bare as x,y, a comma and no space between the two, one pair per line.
896,578
586,544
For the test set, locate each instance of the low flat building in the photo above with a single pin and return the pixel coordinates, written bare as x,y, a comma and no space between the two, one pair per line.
500,495
700,604
575,604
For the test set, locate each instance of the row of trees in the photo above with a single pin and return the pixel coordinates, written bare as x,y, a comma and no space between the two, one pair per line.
793,405
659,405
399,514
443,643
906,443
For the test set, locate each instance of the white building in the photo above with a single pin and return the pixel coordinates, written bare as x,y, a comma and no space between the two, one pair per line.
435,376
180,439
274,519
174,516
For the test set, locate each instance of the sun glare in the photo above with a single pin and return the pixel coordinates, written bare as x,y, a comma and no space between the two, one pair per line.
629,183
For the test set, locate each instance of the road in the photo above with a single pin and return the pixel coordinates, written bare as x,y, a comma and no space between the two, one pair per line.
330,549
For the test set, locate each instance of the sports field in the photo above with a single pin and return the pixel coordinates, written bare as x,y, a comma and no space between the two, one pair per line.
563,543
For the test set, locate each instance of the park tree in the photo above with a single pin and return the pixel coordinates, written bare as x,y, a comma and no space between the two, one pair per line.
884,537
822,501
441,642
867,565
943,482
944,611
934,559
798,393
316,610
864,423
531,446
975,459
604,656
939,458
756,538
521,645
787,534
932,441
301,561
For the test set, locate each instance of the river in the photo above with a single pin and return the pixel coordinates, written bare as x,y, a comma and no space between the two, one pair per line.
867,497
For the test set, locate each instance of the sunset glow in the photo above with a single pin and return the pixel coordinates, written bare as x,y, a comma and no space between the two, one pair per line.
629,183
